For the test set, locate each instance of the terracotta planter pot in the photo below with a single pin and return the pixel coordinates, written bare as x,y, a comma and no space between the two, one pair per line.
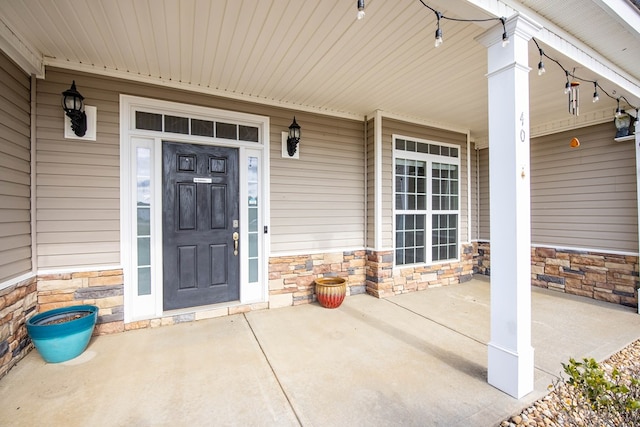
330,291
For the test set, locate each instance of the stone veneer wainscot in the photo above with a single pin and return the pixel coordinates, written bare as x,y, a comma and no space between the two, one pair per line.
291,278
105,289
383,281
17,304
600,276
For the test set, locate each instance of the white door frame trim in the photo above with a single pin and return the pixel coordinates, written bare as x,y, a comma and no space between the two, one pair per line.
148,307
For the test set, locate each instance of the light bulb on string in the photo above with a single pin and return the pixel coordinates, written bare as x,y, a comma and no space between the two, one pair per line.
360,9
439,40
505,36
596,97
541,69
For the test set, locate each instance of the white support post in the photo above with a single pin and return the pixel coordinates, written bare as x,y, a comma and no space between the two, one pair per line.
510,354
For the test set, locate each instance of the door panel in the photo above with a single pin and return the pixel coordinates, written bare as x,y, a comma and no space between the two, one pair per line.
200,202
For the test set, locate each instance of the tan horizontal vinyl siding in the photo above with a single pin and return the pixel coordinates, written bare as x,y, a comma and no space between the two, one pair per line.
78,181
371,184
15,170
391,127
317,202
483,195
584,197
474,208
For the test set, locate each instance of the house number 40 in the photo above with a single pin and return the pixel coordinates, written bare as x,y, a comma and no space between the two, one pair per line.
522,132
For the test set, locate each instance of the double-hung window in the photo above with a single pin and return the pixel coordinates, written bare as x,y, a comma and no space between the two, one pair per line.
427,207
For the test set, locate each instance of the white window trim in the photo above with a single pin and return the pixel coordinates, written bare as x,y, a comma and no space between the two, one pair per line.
430,159
148,307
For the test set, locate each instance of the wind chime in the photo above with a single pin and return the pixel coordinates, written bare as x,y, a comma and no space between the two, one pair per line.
574,98
572,89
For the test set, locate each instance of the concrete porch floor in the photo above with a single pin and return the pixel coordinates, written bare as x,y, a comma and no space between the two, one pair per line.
414,359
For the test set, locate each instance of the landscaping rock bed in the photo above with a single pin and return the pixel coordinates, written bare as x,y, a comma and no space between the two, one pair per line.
559,407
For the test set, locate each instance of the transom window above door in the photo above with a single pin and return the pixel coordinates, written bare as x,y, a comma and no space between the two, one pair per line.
195,126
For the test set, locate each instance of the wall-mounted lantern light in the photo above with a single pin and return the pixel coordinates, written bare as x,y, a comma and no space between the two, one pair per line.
294,137
72,103
622,121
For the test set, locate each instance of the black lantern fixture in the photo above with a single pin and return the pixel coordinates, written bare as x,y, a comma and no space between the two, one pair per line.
72,103
623,121
294,137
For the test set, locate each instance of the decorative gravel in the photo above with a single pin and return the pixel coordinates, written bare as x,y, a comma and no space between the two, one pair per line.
549,411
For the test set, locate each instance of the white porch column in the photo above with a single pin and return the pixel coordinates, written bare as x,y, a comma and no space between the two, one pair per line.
510,353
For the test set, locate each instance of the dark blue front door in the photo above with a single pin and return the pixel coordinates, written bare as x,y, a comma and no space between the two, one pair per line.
200,225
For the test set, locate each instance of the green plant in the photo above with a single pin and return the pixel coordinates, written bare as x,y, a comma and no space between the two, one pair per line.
611,399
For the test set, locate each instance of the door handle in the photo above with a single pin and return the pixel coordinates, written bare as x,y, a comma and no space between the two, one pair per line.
236,236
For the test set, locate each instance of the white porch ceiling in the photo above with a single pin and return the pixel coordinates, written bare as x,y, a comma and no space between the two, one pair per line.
315,55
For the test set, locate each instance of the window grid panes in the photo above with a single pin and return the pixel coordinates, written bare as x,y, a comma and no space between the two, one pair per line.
444,237
175,124
148,121
426,187
410,239
143,213
192,126
411,188
253,230
424,147
444,187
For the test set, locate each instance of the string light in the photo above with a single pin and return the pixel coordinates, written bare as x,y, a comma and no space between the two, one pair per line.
505,36
541,69
360,9
571,87
439,16
438,31
596,85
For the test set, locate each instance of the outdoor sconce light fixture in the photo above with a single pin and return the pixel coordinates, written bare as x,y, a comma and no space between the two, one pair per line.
72,103
294,137
623,123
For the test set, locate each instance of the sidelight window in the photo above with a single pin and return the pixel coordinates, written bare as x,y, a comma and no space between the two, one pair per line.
143,210
254,223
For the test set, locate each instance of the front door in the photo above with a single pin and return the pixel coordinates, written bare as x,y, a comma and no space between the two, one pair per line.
200,225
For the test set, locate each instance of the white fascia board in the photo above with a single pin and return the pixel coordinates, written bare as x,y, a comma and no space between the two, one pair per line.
22,53
564,43
623,12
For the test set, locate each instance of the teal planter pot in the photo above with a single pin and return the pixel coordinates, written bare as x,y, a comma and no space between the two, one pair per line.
58,336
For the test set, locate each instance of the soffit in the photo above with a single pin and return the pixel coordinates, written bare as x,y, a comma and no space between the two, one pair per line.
307,55
593,25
